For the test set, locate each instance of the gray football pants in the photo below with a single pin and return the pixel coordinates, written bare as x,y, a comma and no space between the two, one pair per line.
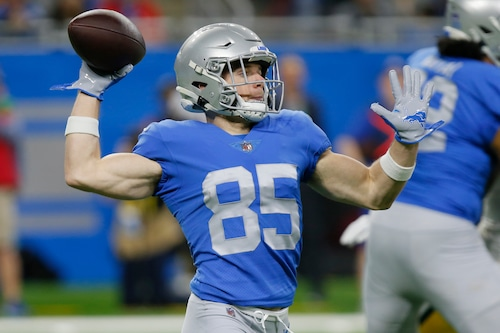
209,317
416,255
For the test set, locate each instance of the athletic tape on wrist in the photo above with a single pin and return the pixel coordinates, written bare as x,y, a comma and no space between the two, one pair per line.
394,170
85,125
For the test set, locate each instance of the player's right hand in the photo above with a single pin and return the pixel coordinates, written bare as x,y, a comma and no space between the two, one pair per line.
93,84
409,116
356,232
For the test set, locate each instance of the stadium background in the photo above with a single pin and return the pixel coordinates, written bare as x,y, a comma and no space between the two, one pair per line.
68,231
65,234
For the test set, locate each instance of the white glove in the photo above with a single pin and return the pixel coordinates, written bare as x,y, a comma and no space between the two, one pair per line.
93,84
356,232
408,119
490,232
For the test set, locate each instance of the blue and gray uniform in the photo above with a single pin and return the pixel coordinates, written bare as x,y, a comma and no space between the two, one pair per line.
237,199
426,248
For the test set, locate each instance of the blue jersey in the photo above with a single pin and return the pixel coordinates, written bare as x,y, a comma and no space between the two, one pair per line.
454,164
237,199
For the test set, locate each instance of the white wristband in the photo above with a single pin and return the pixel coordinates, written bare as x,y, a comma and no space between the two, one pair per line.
85,125
394,170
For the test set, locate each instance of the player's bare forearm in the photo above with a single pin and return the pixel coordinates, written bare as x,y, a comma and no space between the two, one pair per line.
384,188
123,176
86,106
345,179
404,154
82,151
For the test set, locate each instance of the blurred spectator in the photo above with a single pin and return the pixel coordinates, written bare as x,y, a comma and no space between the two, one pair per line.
294,72
170,102
146,14
146,236
62,11
293,7
147,241
369,136
389,7
431,7
361,8
316,209
18,17
132,8
10,259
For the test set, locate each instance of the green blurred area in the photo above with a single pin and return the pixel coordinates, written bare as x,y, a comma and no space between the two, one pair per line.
342,295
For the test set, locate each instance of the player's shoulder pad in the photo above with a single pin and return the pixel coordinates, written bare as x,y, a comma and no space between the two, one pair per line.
416,57
292,117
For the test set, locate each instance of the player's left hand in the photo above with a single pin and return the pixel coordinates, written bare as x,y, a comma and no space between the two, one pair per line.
408,119
93,84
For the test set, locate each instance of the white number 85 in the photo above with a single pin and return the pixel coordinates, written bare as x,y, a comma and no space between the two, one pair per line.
269,204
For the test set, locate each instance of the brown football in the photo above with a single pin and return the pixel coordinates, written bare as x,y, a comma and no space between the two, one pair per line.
106,40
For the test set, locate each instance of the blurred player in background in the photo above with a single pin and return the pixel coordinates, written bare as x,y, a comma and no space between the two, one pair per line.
317,210
426,248
233,183
150,247
10,260
295,75
489,227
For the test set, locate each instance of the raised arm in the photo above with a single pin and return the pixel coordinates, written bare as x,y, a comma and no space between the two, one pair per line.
120,175
376,187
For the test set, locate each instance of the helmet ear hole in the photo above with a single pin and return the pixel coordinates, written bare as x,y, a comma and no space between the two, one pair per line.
485,30
198,84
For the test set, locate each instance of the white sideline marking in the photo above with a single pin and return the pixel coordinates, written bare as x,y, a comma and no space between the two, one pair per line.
301,323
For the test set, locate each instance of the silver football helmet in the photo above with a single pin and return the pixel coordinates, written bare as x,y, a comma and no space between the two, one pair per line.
223,47
477,21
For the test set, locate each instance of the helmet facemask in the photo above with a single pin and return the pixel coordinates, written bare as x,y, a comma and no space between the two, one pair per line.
251,110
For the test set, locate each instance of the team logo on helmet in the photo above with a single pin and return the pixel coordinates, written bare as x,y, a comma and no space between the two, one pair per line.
259,48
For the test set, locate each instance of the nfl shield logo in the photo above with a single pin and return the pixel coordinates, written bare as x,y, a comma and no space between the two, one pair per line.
230,311
246,146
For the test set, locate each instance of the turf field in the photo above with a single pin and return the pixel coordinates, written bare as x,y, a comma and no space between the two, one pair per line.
48,299
96,309
303,323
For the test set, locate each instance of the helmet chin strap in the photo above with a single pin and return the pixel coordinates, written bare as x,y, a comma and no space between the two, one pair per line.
186,103
250,111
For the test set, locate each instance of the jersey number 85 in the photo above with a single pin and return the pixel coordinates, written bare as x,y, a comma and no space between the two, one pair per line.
269,204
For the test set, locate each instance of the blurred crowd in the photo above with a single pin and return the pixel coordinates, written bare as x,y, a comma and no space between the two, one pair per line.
32,18
149,249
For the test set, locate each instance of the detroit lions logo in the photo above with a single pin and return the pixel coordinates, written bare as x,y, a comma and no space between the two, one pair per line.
419,116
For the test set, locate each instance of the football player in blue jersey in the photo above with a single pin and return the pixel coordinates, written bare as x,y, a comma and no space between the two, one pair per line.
233,183
426,248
